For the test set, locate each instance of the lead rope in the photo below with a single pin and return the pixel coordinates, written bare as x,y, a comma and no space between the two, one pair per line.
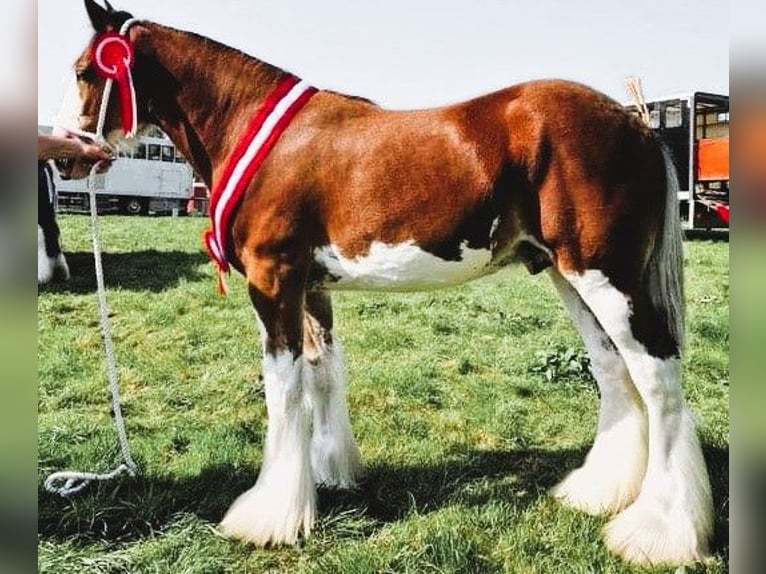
75,481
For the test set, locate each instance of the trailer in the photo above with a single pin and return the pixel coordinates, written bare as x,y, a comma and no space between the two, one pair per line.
153,178
695,129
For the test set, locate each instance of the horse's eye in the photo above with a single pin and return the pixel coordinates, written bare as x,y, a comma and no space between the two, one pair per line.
85,74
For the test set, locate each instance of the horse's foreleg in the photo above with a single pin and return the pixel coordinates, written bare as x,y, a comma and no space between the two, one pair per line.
611,475
282,504
335,460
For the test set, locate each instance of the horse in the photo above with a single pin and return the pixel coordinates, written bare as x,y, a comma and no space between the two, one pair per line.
51,263
550,174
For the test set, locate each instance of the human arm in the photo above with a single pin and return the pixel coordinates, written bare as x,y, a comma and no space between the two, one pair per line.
57,147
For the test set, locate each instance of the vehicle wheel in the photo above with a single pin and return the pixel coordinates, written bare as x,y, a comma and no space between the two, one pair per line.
133,206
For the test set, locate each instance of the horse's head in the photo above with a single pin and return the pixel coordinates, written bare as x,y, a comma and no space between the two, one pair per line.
81,110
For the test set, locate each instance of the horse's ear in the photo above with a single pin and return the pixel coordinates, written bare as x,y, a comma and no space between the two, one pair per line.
108,6
99,17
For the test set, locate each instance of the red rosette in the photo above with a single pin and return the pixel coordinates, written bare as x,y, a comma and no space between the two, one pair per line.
113,58
112,55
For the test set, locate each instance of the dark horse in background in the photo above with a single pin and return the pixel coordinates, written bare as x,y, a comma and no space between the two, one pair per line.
51,263
550,174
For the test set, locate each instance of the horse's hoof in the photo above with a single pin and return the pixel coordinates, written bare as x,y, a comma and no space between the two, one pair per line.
334,466
611,476
594,493
644,534
270,516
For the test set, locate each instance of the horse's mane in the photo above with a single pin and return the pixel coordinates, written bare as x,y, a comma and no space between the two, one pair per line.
360,99
261,65
228,50
119,18
222,51
258,65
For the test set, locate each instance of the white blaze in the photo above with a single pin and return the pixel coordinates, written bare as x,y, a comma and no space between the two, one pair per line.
68,116
282,503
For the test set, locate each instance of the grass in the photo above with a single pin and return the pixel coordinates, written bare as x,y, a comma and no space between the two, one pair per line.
468,404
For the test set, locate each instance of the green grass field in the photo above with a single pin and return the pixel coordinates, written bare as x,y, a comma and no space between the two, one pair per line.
468,404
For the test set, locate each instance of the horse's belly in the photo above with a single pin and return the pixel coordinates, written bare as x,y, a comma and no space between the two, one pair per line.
401,267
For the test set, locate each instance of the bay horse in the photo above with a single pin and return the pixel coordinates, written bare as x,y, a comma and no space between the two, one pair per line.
550,174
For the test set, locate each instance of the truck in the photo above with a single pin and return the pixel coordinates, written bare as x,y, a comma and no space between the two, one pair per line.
152,178
695,129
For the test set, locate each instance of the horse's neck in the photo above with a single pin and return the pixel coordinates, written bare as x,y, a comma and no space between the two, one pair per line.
209,97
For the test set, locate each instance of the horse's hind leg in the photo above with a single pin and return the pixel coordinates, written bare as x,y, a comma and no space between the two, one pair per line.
610,478
671,519
282,503
335,460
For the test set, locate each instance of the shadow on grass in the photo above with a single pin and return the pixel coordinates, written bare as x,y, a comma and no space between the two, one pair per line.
148,270
136,509
717,235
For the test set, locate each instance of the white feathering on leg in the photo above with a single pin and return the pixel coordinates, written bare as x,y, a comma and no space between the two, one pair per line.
335,459
282,504
671,520
611,476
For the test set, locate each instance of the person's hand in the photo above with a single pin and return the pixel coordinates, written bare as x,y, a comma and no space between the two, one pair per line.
75,156
92,153
88,152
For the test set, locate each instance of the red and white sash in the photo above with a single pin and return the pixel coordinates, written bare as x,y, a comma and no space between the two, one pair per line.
263,132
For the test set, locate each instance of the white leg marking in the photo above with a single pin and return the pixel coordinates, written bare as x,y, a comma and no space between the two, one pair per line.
610,478
283,501
335,459
49,267
62,268
671,520
46,266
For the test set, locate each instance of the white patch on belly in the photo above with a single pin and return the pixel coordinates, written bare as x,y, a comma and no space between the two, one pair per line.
401,267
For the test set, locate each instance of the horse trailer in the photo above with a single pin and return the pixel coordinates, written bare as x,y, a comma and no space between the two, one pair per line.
695,129
153,177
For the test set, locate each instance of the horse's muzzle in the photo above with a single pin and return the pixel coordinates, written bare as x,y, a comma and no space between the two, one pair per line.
73,169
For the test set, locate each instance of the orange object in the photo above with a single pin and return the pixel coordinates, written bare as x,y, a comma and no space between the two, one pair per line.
713,159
